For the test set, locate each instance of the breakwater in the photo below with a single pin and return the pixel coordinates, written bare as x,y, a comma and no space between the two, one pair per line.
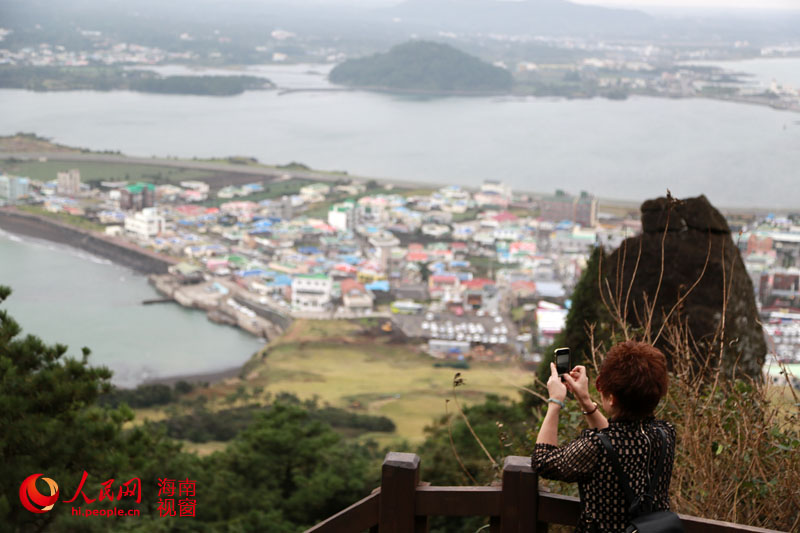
116,250
224,303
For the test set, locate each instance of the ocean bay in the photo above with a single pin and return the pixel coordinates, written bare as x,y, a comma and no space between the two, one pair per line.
67,296
630,150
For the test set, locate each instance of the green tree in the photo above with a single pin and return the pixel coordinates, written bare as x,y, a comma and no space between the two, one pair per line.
286,467
47,422
423,66
439,460
283,473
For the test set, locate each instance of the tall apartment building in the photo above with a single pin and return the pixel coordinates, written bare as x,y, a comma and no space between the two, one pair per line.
12,188
586,210
562,206
383,242
69,183
137,196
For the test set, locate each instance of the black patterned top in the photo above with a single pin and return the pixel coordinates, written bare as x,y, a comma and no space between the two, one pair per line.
585,461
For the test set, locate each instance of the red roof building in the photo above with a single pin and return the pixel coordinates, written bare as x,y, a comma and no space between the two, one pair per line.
417,257
477,283
505,216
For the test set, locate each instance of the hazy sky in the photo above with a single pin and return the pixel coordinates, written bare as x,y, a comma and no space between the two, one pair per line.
704,4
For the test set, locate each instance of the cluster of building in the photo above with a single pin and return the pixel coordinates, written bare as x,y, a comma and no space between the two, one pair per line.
656,73
770,248
103,50
463,255
104,53
449,266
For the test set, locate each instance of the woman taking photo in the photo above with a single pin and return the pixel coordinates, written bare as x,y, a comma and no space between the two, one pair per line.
631,382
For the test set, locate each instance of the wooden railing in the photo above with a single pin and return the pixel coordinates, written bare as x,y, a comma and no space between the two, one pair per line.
402,504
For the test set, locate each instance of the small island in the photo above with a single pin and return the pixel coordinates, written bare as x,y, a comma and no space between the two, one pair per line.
114,78
423,67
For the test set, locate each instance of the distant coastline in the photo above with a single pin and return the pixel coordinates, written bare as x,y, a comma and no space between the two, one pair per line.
48,79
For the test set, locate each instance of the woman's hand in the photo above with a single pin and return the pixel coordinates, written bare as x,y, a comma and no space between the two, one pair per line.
555,387
578,383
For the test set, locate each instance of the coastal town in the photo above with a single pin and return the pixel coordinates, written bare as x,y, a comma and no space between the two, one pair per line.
473,274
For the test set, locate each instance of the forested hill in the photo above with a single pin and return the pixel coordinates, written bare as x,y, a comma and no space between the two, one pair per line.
421,66
119,79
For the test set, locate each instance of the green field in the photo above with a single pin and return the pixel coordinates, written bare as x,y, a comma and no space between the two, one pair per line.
94,171
353,369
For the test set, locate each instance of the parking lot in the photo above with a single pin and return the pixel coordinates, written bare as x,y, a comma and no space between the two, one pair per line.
487,329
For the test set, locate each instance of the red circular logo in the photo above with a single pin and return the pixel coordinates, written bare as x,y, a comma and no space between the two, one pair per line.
30,495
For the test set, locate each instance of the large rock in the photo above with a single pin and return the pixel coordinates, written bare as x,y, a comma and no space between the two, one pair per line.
691,225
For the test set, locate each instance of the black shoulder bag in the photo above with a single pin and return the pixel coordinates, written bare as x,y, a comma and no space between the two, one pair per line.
642,518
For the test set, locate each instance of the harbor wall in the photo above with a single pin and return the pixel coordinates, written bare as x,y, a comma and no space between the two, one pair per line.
115,250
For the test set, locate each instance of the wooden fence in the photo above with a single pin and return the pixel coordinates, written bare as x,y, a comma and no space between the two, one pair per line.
402,504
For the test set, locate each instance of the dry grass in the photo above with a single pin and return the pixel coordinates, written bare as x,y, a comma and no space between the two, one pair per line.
204,448
347,367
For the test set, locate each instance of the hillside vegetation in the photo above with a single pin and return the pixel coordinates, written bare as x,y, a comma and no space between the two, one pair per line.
422,66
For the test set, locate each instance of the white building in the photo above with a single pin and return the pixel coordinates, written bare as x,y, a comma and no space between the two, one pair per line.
201,186
311,292
196,191
342,216
494,193
69,183
145,224
383,242
12,188
435,230
315,192
455,192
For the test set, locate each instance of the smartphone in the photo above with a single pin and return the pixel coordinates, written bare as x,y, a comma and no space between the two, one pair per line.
563,361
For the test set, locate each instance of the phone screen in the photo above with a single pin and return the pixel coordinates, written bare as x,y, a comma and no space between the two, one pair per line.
562,361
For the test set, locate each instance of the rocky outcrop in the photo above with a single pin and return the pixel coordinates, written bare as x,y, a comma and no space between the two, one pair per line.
695,232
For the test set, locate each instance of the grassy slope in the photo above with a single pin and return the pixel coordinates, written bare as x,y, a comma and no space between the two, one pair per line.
351,368
46,170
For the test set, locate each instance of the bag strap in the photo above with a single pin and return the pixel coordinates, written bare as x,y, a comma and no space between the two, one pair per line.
623,478
630,498
659,465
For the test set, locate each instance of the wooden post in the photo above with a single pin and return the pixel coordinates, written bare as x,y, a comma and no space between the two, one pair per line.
399,480
518,510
